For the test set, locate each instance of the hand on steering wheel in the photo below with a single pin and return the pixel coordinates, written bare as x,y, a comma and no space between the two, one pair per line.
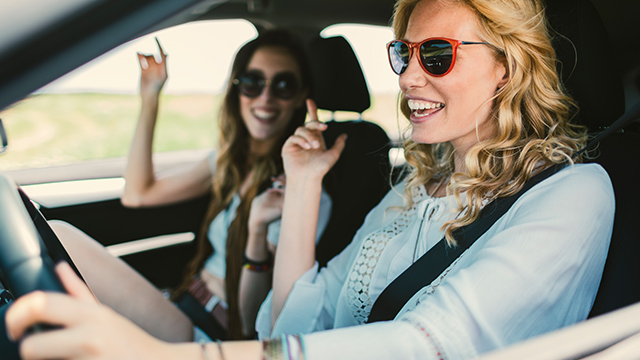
87,330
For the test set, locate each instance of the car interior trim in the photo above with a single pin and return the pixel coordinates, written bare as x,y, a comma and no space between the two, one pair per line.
157,242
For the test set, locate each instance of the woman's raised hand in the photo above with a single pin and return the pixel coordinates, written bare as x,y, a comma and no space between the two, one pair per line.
88,330
153,74
305,153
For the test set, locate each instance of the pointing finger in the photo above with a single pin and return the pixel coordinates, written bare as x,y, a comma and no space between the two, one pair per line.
163,56
312,109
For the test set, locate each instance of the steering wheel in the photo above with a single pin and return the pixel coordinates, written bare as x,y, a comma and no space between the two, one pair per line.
25,264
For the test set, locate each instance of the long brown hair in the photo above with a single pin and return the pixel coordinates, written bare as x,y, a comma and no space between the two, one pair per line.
532,113
233,168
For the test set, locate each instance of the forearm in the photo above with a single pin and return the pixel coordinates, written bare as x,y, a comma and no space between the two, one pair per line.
236,350
296,246
255,283
139,173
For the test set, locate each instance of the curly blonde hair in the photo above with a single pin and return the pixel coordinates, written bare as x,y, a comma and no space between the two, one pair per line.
531,114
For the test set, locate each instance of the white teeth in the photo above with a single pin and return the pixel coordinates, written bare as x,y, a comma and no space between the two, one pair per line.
423,105
264,114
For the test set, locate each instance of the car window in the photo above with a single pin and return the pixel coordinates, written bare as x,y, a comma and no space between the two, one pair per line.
91,113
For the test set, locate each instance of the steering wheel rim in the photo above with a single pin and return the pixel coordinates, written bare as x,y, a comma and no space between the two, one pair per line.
25,264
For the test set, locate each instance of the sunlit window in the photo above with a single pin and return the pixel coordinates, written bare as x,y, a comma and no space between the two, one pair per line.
91,113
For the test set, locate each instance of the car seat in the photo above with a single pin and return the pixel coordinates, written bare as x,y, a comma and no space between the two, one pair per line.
601,100
359,179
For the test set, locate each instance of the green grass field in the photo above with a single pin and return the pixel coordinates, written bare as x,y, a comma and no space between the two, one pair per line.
54,129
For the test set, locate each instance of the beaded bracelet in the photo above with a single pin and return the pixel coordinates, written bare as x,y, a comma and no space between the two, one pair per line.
205,350
258,266
286,347
219,343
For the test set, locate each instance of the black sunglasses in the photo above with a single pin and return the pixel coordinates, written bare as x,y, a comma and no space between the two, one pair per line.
437,55
284,85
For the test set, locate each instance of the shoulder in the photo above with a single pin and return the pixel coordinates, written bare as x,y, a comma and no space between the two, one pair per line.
580,189
578,180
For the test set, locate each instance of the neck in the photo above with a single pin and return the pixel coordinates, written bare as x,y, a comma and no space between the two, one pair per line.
458,161
258,148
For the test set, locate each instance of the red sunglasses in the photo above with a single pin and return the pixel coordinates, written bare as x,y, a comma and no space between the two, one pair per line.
437,55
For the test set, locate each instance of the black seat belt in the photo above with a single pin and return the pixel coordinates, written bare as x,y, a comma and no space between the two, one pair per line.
430,265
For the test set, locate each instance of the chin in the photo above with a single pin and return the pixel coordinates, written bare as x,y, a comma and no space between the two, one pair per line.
421,138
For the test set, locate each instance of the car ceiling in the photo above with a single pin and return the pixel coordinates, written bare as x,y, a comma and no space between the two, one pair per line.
85,35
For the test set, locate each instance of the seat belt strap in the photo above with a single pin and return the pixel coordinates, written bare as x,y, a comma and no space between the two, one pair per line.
435,261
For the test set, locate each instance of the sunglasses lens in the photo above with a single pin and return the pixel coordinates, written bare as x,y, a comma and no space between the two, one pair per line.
285,86
399,56
436,56
251,84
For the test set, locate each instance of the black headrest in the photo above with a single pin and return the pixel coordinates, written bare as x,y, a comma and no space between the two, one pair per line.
338,81
589,70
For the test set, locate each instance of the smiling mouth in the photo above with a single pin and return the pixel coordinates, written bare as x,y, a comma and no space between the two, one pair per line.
420,108
264,115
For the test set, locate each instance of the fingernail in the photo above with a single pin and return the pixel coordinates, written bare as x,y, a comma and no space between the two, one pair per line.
315,143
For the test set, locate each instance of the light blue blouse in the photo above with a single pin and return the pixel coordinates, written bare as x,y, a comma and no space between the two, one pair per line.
218,230
536,270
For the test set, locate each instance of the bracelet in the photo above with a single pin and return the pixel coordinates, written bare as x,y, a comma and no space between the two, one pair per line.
286,347
220,349
205,351
258,266
272,349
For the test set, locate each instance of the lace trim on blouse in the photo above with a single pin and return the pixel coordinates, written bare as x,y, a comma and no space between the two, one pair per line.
359,279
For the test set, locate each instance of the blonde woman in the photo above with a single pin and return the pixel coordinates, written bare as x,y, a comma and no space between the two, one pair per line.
487,112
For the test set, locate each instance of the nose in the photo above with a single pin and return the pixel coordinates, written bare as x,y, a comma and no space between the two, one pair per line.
413,76
267,91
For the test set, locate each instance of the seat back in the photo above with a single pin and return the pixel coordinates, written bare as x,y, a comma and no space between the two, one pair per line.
338,81
359,179
578,24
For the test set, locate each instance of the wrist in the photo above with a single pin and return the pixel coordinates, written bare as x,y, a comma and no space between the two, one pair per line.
303,183
312,174
257,252
261,264
150,96
257,229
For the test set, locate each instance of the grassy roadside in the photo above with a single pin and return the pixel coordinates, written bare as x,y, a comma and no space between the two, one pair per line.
54,129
